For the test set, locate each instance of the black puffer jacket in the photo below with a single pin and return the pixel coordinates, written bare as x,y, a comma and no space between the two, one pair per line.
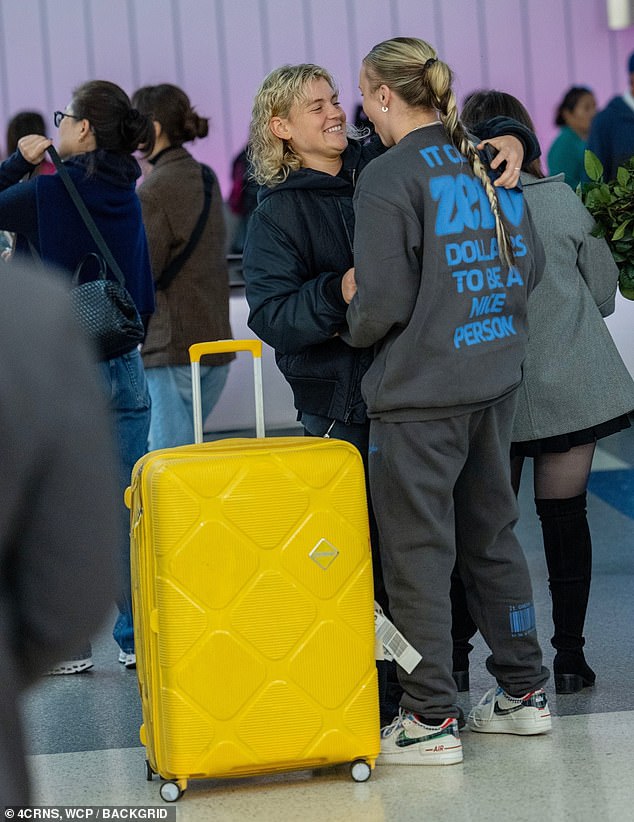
298,247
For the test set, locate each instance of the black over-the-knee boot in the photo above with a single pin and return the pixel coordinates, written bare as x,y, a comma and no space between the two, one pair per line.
568,551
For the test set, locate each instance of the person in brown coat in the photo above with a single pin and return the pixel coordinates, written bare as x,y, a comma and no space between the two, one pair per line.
182,212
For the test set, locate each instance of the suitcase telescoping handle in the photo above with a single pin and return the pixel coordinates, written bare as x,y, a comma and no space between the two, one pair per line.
199,350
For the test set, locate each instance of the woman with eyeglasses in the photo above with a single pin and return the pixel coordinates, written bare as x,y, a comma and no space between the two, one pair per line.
98,133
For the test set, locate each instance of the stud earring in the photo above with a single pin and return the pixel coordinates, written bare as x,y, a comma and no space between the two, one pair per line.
384,108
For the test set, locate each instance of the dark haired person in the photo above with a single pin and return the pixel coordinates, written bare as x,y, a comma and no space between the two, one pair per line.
612,133
21,124
574,116
565,403
98,133
194,305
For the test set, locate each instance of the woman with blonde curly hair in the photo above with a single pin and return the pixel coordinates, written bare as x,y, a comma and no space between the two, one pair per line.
298,258
444,264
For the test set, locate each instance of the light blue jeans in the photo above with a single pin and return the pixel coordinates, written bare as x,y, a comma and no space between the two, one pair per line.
127,391
171,391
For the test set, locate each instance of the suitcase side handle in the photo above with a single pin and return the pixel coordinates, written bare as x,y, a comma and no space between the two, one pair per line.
198,350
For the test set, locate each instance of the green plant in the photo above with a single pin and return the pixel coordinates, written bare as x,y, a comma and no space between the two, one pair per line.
612,206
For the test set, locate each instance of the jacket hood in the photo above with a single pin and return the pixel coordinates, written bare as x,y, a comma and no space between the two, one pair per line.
308,178
618,106
120,170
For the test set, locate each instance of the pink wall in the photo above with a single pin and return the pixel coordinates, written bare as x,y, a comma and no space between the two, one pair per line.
219,50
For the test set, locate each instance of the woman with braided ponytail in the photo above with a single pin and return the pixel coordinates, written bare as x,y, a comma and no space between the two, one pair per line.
444,263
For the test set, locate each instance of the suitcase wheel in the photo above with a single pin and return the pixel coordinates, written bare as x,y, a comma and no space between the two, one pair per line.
149,773
360,771
171,791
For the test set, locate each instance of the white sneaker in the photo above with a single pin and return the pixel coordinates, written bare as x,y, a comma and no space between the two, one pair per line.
499,713
129,660
408,741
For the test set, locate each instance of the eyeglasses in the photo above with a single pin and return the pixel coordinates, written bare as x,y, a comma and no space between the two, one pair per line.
58,116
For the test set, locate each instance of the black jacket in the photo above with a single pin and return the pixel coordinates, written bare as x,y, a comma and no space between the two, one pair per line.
298,247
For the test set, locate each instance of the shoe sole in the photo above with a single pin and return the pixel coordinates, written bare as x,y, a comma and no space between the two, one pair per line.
571,683
413,756
67,670
529,726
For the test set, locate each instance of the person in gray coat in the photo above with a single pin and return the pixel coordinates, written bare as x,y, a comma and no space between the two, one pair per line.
59,519
576,390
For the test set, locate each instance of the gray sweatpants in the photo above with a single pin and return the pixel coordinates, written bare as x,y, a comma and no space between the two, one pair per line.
441,489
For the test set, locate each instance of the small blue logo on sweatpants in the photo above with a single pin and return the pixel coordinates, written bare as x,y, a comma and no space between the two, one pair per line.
522,619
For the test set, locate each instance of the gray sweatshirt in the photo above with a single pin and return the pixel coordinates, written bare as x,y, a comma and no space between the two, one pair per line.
447,317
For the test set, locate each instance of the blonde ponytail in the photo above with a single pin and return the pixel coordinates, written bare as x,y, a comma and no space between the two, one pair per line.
412,69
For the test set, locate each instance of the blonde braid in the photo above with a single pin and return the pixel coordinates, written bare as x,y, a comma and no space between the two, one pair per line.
448,111
411,67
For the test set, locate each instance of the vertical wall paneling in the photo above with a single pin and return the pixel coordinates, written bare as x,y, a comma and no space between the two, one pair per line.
483,44
4,83
219,50
527,56
265,38
309,33
44,34
69,56
353,46
395,20
243,69
461,50
113,60
158,54
89,37
177,30
332,39
568,42
203,78
225,95
24,59
373,22
133,41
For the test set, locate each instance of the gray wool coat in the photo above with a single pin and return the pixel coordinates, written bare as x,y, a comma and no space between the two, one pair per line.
574,377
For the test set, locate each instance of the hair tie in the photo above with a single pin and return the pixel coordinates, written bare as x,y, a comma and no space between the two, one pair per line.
430,62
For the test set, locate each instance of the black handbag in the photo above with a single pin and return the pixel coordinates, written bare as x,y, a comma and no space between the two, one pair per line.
103,306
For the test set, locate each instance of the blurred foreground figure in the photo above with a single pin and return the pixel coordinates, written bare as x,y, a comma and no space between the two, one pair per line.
59,518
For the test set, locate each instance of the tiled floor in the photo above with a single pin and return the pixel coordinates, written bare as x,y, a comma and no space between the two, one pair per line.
86,751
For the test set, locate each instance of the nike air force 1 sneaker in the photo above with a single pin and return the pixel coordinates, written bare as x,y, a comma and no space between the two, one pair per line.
499,713
408,741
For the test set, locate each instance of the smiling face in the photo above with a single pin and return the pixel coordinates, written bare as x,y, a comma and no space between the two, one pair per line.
315,127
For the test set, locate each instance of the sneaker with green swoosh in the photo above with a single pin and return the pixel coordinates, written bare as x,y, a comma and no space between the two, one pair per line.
408,741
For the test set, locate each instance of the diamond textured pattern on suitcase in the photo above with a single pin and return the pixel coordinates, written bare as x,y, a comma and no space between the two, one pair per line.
264,656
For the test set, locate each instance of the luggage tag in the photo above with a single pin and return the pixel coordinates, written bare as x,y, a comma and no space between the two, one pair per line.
392,644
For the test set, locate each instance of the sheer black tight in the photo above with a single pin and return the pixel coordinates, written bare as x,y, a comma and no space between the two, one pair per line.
557,476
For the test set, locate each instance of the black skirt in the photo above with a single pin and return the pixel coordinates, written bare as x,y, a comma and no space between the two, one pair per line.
564,442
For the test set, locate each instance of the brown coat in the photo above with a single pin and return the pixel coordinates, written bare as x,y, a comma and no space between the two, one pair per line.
195,307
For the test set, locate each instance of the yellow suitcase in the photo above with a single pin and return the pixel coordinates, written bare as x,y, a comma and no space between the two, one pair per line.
253,604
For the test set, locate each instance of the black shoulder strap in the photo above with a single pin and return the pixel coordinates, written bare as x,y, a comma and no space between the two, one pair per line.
86,216
166,278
